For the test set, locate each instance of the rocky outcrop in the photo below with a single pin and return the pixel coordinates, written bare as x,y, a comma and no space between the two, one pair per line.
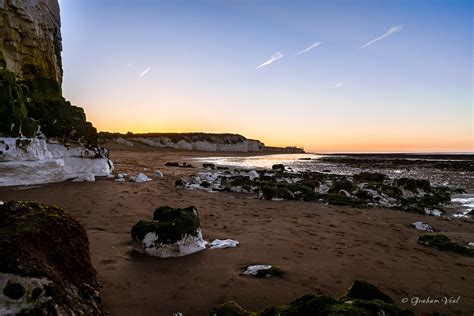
359,190
45,267
362,299
173,232
33,112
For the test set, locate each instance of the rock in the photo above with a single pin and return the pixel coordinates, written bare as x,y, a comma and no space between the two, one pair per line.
176,164
253,174
278,167
413,185
221,244
263,271
141,177
276,193
369,301
370,177
344,192
230,308
341,184
442,242
89,177
26,161
55,276
122,141
158,174
470,244
422,226
363,290
208,166
173,232
433,212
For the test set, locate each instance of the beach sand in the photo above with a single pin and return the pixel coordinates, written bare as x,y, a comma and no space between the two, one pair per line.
322,248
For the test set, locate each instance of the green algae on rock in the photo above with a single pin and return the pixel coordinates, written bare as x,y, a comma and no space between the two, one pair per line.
442,242
45,267
173,232
362,299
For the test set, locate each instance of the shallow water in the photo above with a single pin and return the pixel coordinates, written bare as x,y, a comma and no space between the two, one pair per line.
461,203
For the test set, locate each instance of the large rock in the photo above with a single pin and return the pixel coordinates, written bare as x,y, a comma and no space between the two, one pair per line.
363,299
173,232
45,268
25,161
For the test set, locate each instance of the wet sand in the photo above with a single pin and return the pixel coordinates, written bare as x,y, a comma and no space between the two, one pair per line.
322,248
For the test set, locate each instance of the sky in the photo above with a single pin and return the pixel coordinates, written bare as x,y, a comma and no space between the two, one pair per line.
329,76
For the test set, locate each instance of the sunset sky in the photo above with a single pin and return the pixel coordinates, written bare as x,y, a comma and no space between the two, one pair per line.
324,75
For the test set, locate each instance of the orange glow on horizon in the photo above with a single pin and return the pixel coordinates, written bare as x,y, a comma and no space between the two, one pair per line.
327,144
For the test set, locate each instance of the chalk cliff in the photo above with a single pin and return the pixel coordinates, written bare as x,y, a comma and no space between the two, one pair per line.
195,141
33,111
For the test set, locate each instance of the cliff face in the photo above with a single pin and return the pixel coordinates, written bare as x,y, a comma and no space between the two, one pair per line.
31,75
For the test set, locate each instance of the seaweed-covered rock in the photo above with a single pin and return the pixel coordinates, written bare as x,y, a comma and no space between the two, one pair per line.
360,190
230,308
413,185
341,184
173,232
369,301
263,271
442,242
370,177
363,290
278,167
277,193
45,267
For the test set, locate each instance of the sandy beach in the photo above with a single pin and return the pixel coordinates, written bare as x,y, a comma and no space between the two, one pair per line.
322,248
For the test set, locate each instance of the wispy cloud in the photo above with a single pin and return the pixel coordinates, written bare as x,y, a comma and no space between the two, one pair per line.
307,49
392,30
144,72
272,59
339,84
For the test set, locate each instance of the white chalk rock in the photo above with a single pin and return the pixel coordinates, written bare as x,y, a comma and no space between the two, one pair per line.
433,212
173,232
342,191
158,173
253,270
422,226
89,177
26,161
223,243
141,177
123,142
253,174
187,245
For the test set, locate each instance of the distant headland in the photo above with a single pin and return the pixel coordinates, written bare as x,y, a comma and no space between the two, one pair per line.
224,142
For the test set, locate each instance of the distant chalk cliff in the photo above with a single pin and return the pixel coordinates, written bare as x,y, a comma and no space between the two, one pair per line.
195,141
